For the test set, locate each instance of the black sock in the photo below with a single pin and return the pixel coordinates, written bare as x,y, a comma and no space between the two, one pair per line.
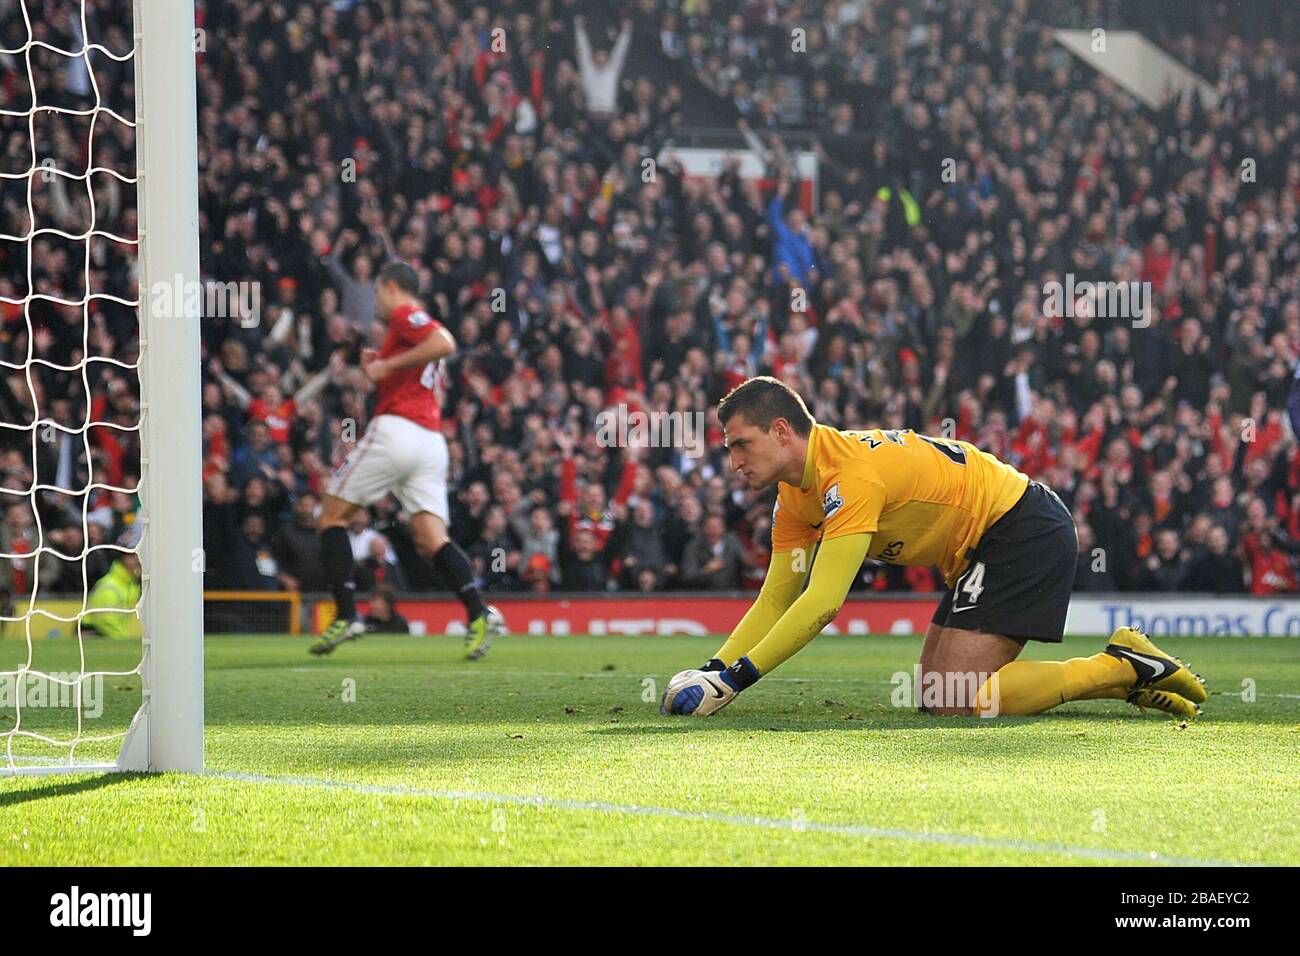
336,556
450,562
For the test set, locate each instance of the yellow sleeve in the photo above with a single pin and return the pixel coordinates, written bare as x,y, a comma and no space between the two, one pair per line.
836,565
785,579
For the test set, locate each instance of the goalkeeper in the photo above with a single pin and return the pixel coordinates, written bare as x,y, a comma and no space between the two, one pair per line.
1006,546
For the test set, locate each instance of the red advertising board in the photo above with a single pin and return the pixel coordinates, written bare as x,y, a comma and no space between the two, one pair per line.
632,614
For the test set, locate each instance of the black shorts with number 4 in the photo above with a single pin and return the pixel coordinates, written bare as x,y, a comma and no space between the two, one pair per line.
1020,575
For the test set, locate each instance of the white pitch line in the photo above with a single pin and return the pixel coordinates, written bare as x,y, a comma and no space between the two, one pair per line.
631,676
709,816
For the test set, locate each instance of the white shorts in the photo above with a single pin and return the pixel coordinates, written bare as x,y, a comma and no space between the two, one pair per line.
396,455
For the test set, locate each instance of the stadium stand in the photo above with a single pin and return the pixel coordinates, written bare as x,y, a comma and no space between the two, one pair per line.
336,136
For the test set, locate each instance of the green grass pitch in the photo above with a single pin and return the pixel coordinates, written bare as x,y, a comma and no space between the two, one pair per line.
552,751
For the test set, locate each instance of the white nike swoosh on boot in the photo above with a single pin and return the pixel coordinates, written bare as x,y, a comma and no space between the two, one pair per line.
1159,664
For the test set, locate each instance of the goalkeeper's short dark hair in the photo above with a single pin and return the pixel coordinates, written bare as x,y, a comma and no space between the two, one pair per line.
764,399
402,276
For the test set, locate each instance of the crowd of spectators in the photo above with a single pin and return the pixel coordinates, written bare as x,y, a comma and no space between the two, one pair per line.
501,149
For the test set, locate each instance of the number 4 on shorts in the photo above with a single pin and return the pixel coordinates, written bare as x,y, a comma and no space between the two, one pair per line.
969,588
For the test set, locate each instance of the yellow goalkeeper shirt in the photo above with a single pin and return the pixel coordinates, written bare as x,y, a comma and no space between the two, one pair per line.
891,495
924,500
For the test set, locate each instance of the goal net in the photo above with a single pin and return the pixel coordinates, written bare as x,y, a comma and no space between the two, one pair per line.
100,501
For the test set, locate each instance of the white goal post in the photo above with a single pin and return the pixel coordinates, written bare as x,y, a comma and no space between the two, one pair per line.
166,732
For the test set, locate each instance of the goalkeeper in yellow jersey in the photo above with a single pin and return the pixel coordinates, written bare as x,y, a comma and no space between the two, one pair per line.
1006,546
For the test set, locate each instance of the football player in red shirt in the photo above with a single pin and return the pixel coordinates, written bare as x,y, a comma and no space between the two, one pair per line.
404,452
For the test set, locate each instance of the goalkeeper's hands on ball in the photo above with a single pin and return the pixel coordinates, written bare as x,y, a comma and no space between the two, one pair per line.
706,691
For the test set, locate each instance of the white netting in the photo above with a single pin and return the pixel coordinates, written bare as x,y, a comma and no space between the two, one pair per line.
49,447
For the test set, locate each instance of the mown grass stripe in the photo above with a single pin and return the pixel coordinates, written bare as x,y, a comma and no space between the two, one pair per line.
710,816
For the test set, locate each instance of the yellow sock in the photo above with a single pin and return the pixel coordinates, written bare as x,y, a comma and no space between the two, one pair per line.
1031,687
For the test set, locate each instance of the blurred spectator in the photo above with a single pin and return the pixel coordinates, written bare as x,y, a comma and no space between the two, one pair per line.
1092,572
540,539
297,548
539,574
379,567
495,555
116,591
601,71
1166,567
382,618
584,565
713,558
643,549
1218,570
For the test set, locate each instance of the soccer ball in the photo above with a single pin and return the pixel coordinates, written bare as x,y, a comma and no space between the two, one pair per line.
675,683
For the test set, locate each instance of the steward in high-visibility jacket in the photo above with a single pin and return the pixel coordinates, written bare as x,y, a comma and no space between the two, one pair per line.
117,591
